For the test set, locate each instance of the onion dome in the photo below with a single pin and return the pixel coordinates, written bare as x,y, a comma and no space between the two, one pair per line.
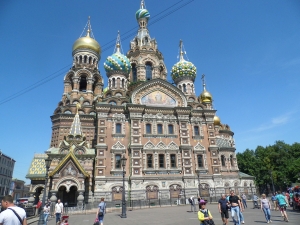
183,70
117,63
217,121
205,97
87,42
142,12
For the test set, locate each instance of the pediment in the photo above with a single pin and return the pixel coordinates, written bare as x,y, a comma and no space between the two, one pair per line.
118,146
199,147
149,145
158,93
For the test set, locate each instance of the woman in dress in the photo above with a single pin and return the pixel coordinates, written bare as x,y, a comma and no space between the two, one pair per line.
266,207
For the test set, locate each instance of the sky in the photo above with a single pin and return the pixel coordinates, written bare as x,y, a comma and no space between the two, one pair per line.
248,50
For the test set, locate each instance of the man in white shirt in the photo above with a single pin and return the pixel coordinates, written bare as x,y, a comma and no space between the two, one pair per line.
59,209
12,215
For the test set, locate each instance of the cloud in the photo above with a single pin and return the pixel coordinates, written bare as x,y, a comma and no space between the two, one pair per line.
275,122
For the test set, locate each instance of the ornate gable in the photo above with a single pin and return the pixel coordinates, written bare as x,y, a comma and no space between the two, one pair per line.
158,93
173,146
161,145
118,146
149,145
199,147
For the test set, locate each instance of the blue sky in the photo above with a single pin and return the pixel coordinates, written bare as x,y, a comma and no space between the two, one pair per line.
249,51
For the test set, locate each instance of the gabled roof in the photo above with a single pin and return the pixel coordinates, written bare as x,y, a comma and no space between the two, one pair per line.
69,156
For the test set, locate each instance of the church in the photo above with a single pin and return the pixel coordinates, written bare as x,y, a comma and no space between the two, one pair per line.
174,142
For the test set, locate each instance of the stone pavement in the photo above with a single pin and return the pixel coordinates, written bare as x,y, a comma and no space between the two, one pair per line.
178,215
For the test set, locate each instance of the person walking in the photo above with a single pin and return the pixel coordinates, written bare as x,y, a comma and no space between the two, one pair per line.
46,213
282,202
204,214
12,215
59,209
273,199
266,207
241,209
255,203
223,209
244,200
101,211
236,206
192,202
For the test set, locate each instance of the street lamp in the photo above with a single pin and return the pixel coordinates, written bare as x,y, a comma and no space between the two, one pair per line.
198,183
47,164
123,161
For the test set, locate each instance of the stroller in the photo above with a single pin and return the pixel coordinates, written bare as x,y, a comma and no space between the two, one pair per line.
256,205
65,219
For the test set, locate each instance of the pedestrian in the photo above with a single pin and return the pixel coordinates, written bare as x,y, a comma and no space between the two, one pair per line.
255,203
204,214
244,200
59,209
236,206
266,207
273,199
241,209
46,213
12,215
192,202
223,209
101,211
282,202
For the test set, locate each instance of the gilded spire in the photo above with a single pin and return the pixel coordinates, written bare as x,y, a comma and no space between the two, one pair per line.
181,51
76,125
89,27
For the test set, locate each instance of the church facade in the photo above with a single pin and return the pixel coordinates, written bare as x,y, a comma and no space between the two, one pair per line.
174,143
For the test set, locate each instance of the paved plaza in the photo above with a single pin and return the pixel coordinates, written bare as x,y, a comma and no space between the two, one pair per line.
178,215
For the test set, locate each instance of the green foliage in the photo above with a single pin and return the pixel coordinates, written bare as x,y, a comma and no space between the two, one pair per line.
279,161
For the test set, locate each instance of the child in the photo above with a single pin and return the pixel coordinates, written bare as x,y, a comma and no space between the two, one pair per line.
204,214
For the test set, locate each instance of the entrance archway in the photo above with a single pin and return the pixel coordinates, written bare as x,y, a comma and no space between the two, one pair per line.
37,194
68,197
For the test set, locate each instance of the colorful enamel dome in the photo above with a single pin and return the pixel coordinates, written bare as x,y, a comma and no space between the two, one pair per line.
117,63
183,69
142,13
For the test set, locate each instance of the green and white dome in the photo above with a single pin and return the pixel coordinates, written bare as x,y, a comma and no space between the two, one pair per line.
183,70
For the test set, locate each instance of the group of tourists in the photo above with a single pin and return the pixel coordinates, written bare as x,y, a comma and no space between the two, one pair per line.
236,204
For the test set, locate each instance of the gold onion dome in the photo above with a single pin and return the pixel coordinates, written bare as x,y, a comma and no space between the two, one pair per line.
87,42
217,121
205,97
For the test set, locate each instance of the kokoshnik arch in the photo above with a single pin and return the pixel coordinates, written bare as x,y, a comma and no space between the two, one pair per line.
169,135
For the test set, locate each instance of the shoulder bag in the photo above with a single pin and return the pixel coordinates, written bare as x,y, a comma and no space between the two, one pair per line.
21,221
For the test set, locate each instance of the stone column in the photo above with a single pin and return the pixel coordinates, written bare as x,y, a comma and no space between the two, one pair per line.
80,199
53,200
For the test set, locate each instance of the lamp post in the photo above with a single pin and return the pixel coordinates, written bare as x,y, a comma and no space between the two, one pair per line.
272,181
47,163
123,215
198,183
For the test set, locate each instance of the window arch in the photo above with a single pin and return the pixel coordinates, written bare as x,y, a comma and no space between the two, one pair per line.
223,160
159,129
113,82
148,71
200,160
82,83
231,160
184,88
171,129
134,73
112,103
85,59
67,112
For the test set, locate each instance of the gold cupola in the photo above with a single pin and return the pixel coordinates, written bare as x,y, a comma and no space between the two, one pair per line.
217,121
205,96
87,42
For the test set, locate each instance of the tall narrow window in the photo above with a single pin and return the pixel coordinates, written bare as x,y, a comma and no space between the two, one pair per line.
171,129
196,131
184,88
118,162
148,71
159,129
134,73
149,161
148,128
173,160
113,82
200,160
231,160
82,84
123,83
118,128
223,160
161,161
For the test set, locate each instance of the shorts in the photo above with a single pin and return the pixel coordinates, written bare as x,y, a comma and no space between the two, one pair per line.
282,208
224,213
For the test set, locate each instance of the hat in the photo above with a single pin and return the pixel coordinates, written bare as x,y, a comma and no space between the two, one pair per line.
202,202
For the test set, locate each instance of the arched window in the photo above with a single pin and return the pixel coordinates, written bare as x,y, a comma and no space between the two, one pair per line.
196,131
159,128
118,128
123,83
223,160
148,128
148,71
113,103
85,59
200,160
134,73
113,82
231,160
90,60
82,84
171,129
184,88
118,162
80,59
